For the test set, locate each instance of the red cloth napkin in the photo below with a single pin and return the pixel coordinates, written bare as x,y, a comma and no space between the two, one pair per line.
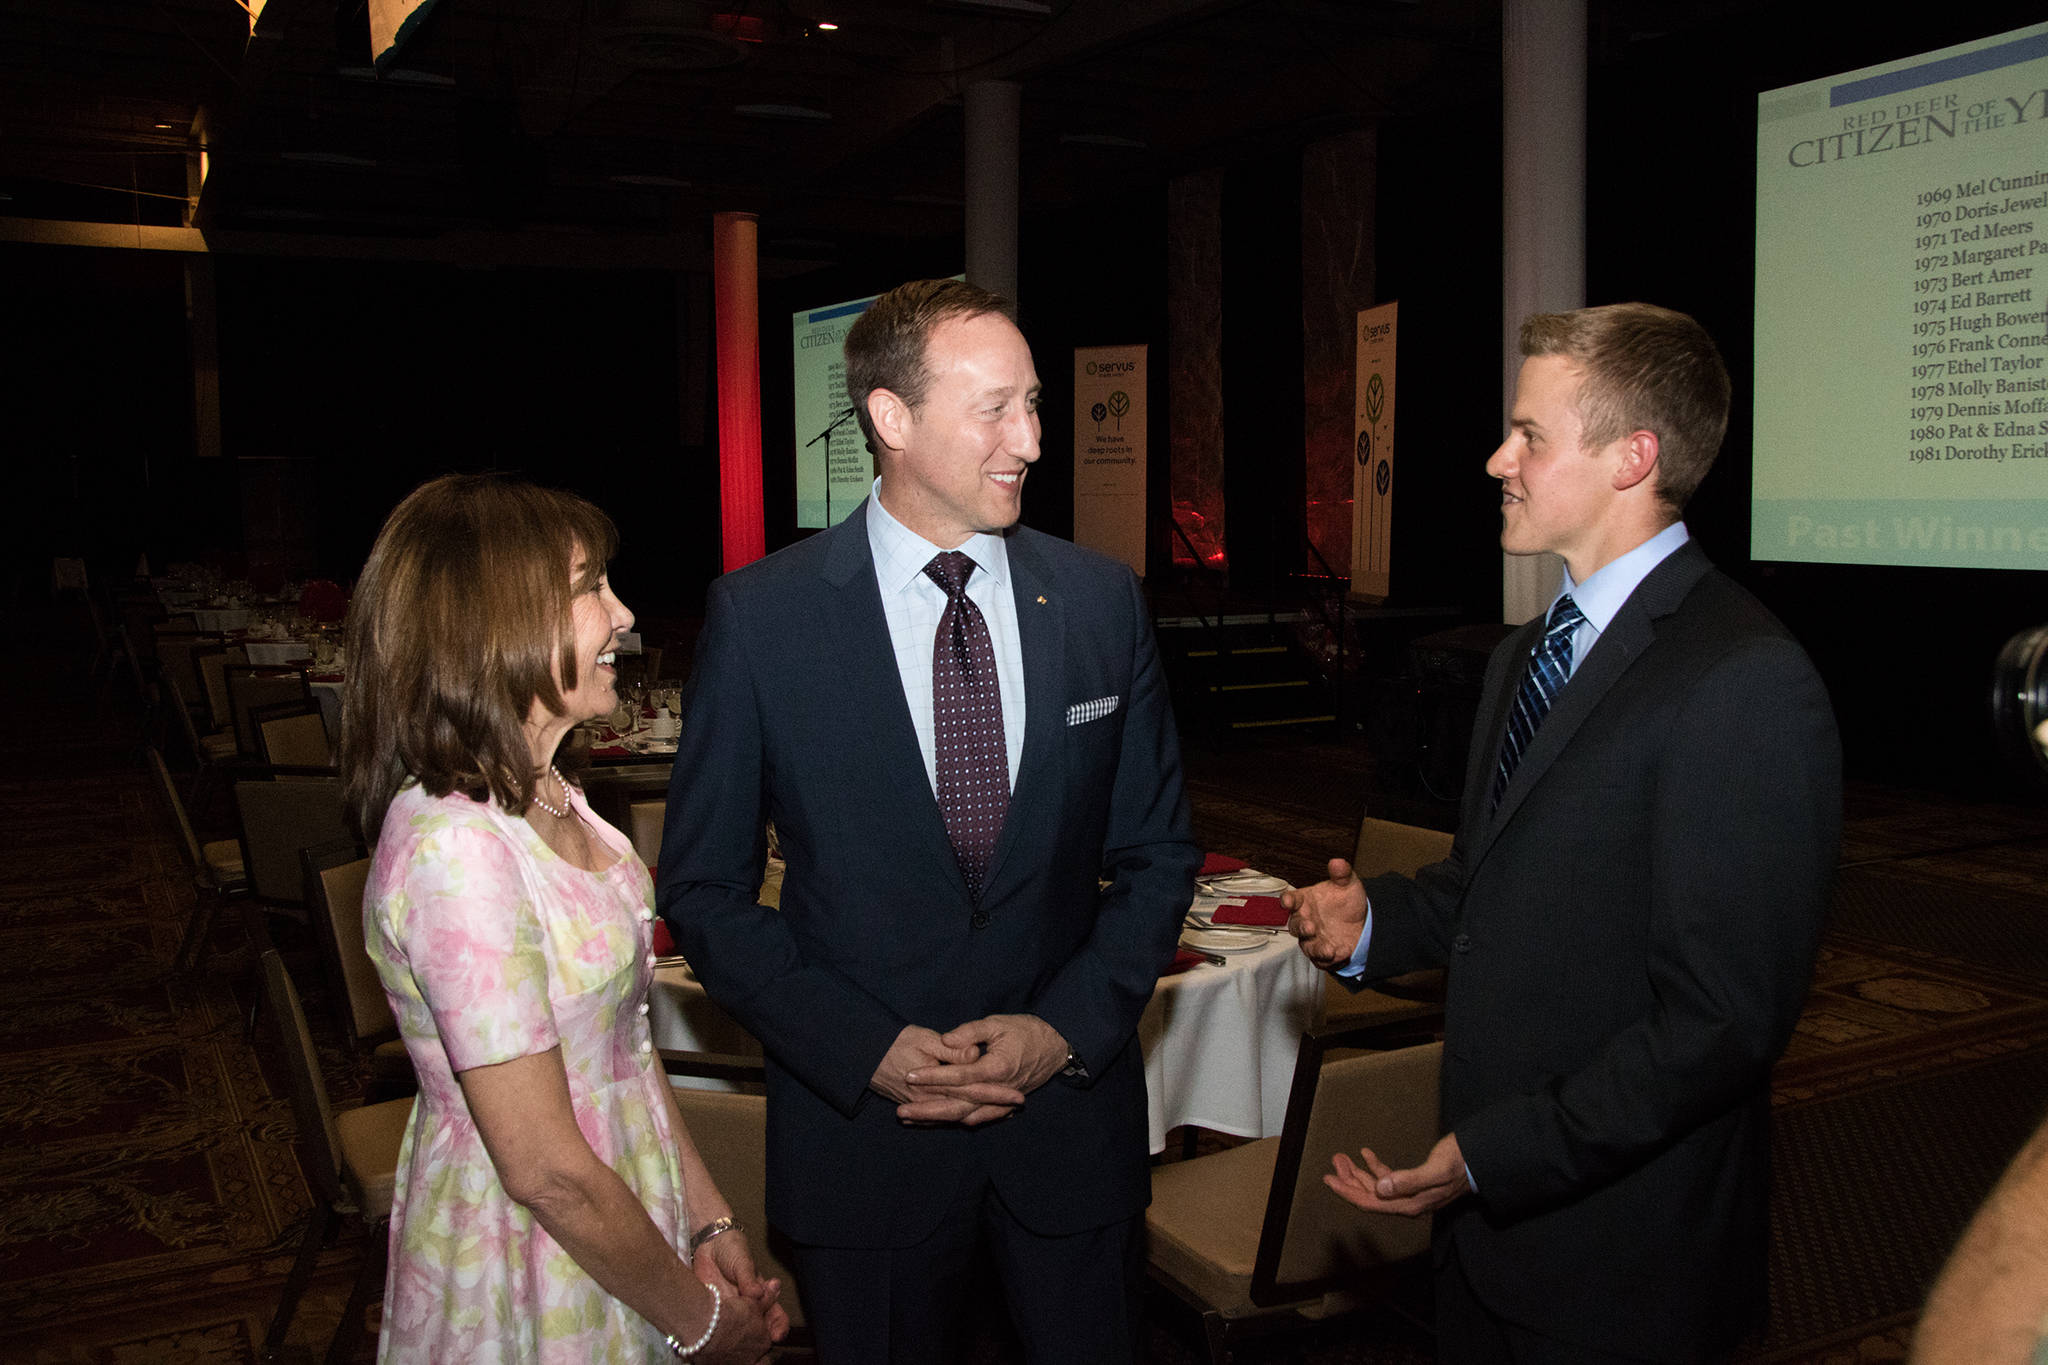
1259,910
664,942
1183,958
1216,864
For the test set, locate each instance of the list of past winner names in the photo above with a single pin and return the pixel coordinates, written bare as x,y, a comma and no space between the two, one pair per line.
1980,320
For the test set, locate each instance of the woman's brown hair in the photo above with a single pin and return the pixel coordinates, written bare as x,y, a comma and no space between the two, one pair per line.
459,624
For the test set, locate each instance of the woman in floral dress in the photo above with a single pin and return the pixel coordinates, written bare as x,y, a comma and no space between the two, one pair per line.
550,1205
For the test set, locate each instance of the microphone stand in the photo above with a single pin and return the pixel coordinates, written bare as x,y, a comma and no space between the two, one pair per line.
831,427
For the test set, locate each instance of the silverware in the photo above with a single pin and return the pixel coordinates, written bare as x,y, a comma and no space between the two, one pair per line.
1192,923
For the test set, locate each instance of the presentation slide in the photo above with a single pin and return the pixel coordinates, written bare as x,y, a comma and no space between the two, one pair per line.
833,474
1901,340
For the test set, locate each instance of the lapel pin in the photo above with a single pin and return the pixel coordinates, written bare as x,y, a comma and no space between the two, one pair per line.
1041,599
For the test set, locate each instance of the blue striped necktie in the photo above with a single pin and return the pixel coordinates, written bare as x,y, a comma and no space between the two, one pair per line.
1550,667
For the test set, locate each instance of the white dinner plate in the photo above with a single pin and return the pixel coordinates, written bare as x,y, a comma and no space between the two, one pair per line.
1223,940
1246,883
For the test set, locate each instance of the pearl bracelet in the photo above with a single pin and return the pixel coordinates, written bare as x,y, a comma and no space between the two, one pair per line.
683,1352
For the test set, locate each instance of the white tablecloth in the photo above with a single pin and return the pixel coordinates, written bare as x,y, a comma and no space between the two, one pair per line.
273,653
1219,1042
221,618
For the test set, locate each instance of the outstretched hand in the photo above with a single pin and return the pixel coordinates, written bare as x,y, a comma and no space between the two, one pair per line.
1328,917
1420,1189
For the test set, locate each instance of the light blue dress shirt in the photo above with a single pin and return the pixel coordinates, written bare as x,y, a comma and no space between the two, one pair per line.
912,604
1598,598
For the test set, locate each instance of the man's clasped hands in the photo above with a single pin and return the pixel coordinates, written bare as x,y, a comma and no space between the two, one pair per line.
972,1074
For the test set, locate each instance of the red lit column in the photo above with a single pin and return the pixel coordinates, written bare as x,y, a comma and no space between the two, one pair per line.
736,313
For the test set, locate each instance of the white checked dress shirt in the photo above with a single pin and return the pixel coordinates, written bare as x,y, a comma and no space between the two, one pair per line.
913,604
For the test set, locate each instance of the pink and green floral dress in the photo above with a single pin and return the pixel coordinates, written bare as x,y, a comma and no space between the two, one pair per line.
491,947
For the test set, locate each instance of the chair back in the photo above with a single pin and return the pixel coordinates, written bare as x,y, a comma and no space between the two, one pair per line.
279,818
212,661
1384,846
1344,1099
321,1143
644,821
175,694
174,650
195,858
250,686
730,1130
613,793
292,733
335,875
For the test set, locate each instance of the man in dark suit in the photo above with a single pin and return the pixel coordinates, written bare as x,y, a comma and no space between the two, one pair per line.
1631,906
973,775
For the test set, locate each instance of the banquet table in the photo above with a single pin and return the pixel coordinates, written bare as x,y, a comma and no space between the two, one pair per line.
220,619
275,653
1219,1041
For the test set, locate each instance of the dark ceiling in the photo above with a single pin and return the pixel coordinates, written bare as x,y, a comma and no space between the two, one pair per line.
622,124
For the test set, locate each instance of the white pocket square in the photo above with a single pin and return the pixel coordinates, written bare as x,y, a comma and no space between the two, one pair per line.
1081,712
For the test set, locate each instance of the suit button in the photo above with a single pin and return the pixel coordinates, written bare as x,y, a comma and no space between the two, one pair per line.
1462,944
980,920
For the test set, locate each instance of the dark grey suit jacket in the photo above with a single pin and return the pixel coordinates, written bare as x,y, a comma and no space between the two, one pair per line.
1630,938
797,712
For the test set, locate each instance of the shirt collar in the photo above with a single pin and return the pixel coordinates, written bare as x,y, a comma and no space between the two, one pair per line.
1603,592
901,553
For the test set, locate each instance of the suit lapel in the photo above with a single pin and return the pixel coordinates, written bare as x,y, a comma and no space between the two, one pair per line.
1042,638
865,658
1631,631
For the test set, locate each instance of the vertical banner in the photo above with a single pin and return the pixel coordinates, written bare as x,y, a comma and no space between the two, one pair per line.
1372,476
391,23
1109,452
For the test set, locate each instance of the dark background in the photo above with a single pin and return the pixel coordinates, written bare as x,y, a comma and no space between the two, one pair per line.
345,383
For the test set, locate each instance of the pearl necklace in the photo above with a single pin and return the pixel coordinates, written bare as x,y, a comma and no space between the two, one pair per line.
560,812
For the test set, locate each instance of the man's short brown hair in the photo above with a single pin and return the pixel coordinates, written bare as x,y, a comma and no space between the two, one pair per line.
886,346
459,623
1643,368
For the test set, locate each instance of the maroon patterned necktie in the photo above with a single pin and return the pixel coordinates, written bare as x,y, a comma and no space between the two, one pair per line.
967,724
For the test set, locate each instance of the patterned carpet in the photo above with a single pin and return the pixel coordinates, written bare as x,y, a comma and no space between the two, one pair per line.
150,1198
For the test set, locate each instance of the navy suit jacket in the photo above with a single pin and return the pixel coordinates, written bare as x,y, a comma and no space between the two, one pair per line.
797,713
1630,938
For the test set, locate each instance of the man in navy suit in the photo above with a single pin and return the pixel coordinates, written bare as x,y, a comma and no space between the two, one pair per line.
949,993
1631,906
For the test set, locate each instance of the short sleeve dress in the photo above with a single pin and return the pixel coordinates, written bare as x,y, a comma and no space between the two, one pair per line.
491,947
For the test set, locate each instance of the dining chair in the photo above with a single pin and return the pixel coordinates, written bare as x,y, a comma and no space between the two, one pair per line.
1253,1242
730,1129
280,811
632,800
216,868
210,661
173,648
1386,846
251,685
350,1160
335,875
208,751
292,733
